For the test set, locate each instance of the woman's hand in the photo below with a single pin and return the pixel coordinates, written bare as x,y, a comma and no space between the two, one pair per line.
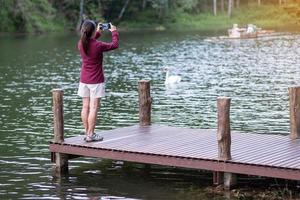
99,28
112,28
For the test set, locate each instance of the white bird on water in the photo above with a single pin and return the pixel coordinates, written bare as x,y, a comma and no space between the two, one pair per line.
171,79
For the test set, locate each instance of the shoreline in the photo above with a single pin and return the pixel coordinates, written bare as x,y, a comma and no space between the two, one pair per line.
160,28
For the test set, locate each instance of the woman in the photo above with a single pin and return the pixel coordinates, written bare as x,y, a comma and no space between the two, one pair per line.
92,86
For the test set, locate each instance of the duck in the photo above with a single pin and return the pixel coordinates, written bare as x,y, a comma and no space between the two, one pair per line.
171,79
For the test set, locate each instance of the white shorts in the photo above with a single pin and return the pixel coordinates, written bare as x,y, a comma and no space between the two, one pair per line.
91,90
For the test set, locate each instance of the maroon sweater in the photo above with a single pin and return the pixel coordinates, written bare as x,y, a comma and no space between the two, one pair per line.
91,69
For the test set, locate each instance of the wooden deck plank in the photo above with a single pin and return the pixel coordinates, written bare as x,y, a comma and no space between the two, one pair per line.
183,144
268,152
143,140
177,141
280,153
244,143
160,144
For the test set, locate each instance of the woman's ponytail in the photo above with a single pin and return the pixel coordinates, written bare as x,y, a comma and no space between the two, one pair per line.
87,30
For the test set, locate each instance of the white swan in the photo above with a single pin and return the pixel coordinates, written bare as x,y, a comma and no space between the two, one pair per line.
171,79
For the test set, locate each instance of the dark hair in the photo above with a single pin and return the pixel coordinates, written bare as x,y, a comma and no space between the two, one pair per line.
87,29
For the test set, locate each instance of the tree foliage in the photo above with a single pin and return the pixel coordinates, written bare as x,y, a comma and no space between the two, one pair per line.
22,16
47,15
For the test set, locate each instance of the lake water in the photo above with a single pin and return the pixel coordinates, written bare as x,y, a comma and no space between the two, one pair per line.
255,73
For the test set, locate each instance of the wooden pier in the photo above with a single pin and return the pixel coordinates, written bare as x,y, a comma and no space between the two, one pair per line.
220,151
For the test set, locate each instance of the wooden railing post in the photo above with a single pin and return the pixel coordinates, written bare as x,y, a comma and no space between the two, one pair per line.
61,160
224,138
144,103
294,94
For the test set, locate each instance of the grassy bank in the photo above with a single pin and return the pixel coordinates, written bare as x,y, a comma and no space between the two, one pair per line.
265,16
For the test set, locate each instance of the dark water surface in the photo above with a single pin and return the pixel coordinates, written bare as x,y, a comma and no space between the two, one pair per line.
255,73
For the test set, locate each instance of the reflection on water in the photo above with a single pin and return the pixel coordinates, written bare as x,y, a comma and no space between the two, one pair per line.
255,73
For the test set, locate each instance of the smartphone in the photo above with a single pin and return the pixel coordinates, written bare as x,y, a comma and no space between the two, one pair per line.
105,26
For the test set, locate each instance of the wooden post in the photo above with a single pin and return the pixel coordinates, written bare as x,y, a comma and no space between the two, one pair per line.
144,103
58,118
61,160
294,93
218,178
224,138
230,180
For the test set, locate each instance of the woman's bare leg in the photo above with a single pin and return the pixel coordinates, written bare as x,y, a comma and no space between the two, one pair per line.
94,104
85,112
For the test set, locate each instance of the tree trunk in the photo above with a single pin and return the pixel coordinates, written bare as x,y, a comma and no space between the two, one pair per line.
100,9
123,10
144,4
80,18
163,8
19,4
237,3
222,6
206,6
215,7
259,2
230,7
166,7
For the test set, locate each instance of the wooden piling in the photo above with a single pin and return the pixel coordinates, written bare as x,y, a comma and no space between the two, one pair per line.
224,139
144,103
58,118
218,178
223,135
61,160
294,94
230,180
